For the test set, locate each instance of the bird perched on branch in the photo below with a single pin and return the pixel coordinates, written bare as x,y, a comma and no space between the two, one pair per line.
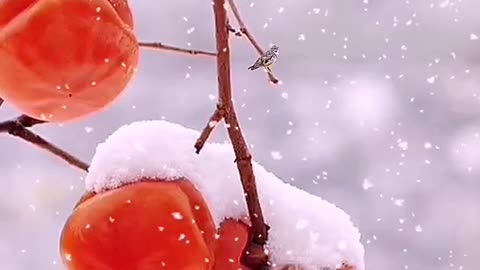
267,59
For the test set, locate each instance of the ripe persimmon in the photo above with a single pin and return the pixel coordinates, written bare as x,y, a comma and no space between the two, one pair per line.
230,245
63,60
149,225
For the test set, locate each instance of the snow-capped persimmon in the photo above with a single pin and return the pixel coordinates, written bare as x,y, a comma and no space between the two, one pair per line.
149,225
63,60
154,225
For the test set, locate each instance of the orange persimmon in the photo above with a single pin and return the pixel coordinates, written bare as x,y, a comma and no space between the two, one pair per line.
230,245
149,225
61,60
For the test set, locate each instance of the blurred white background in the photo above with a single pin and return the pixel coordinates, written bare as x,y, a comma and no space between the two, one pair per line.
379,113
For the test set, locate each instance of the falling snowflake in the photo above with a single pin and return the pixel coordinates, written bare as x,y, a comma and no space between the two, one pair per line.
418,228
367,184
276,155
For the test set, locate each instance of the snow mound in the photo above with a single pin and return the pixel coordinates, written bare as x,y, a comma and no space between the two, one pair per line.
305,229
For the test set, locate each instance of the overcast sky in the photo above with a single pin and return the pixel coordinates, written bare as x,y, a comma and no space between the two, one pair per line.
379,113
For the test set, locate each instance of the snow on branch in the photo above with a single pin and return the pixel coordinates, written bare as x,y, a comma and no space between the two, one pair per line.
306,232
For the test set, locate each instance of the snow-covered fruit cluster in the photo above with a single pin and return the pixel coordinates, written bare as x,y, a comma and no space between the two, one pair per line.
152,203
64,60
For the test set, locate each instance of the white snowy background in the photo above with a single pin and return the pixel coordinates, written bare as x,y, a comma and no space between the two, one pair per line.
379,113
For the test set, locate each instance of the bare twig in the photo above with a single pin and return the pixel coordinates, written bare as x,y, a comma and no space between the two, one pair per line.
161,46
244,31
216,117
18,128
255,256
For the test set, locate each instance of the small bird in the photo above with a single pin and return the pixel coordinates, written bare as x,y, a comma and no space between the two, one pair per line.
267,59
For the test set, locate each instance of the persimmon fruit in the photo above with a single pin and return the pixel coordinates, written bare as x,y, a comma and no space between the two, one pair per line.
149,225
61,60
230,245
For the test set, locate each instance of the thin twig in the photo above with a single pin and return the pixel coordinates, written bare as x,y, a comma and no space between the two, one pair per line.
244,31
255,256
18,128
216,117
161,46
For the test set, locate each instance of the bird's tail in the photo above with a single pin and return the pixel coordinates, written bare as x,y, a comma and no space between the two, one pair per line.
253,67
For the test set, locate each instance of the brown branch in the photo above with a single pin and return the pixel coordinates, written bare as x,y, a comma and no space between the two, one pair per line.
216,117
161,46
255,256
244,31
18,128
